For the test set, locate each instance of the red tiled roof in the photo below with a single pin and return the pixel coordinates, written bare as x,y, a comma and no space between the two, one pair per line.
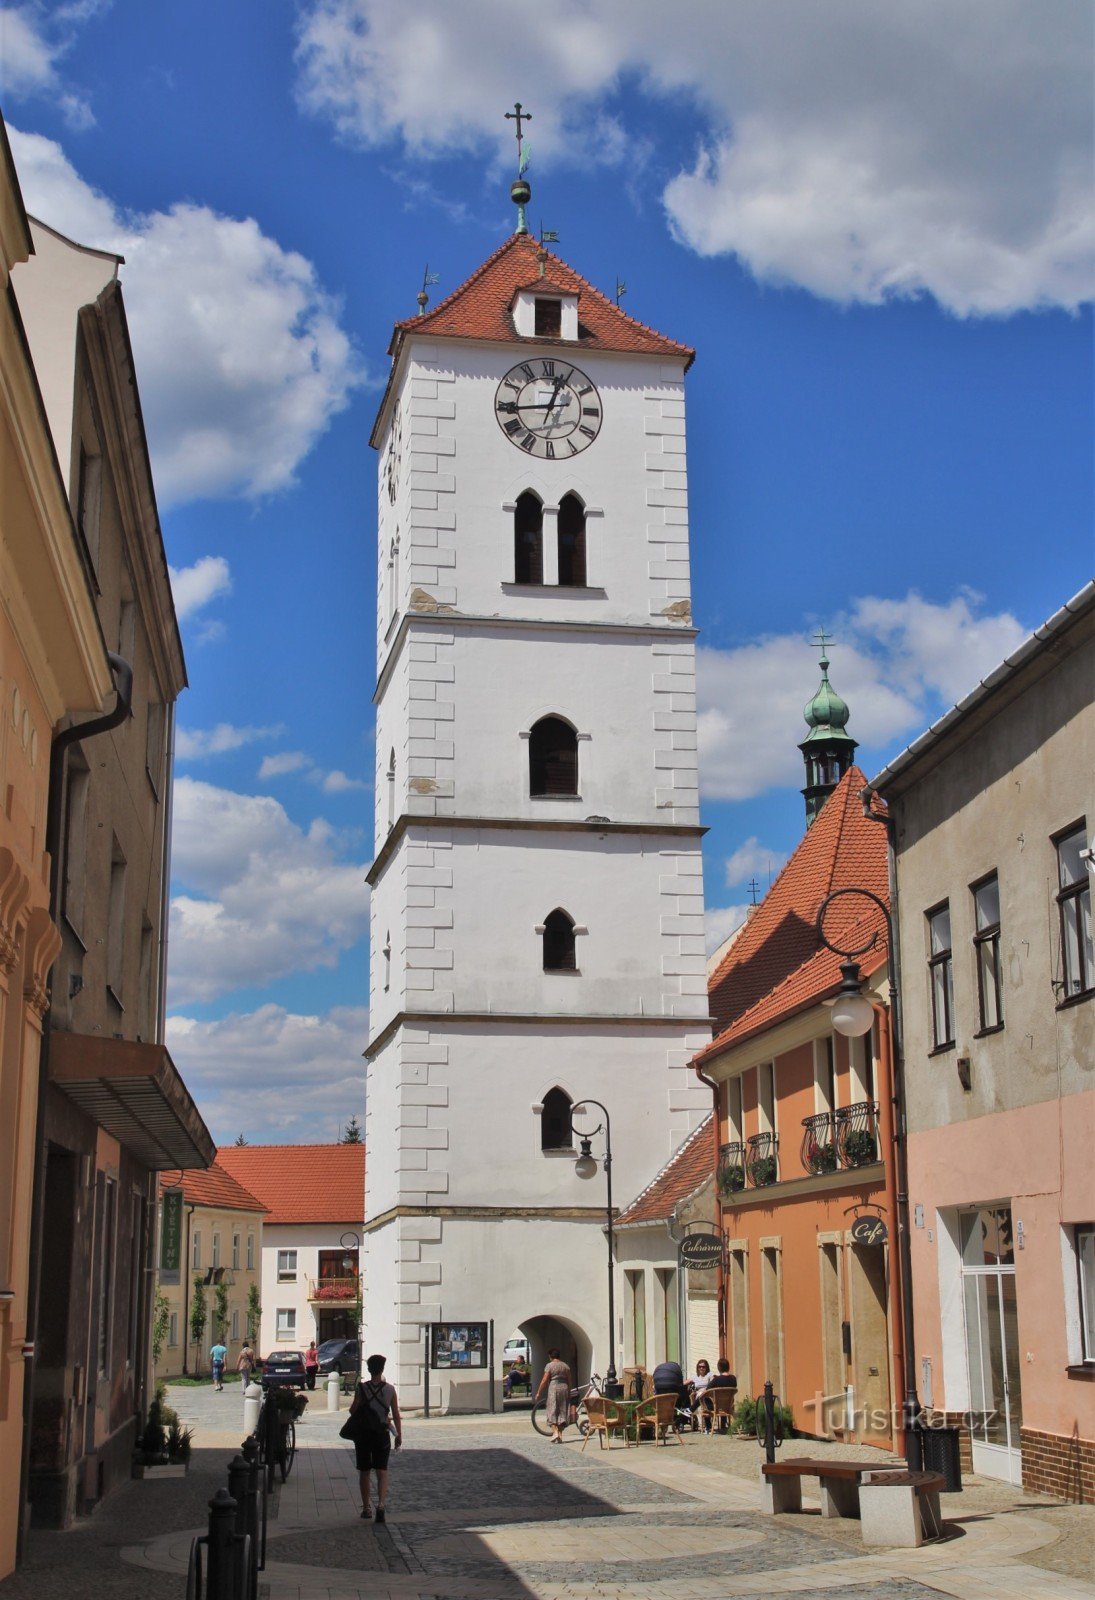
211,1186
681,1176
302,1182
481,308
777,966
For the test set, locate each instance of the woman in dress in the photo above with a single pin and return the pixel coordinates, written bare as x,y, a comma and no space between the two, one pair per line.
557,1382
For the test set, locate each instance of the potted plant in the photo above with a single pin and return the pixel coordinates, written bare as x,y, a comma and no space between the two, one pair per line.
163,1447
860,1147
290,1402
732,1180
763,1171
823,1158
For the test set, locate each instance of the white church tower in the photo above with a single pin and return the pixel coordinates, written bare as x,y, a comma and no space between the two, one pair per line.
537,897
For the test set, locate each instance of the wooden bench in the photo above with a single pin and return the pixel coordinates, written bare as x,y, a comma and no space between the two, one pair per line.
895,1507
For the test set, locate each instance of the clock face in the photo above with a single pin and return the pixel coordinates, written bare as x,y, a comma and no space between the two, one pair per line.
395,455
548,408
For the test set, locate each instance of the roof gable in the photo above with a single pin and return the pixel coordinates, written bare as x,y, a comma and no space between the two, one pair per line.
777,964
687,1169
213,1187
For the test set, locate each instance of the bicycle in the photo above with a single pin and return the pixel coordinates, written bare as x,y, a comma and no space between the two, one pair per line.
287,1447
577,1406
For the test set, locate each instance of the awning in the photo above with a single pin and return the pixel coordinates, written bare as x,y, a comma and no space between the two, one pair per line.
135,1092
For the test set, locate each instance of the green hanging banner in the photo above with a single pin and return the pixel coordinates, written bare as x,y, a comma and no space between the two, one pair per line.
171,1231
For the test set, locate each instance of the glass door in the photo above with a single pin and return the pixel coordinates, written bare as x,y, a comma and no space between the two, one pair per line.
992,1341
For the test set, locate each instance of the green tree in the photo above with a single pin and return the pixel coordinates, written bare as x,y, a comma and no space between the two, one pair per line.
254,1313
161,1322
220,1312
240,1139
199,1316
352,1134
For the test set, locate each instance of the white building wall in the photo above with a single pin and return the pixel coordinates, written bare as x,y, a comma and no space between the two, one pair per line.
307,1239
468,1218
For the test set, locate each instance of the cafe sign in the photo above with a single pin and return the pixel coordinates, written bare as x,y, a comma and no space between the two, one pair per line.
700,1251
869,1230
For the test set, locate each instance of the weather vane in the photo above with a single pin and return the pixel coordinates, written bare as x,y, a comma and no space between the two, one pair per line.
621,290
520,192
428,280
548,235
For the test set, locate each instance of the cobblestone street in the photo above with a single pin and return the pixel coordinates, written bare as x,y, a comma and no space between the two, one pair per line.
487,1510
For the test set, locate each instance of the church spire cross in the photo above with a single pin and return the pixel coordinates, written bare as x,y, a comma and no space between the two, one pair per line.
518,116
821,641
520,191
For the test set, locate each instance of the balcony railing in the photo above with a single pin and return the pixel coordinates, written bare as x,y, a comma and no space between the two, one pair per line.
337,1290
731,1169
819,1143
762,1159
857,1133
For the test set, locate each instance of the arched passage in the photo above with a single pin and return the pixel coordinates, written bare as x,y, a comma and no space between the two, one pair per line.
547,1330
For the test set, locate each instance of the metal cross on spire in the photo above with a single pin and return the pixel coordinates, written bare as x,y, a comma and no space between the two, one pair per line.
518,116
754,891
821,641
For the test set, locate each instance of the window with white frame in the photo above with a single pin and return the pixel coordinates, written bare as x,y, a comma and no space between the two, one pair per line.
734,1121
235,1325
766,1096
986,944
1074,911
941,976
1085,1264
216,1249
173,1328
287,1267
824,1074
196,1248
286,1323
250,1252
235,1252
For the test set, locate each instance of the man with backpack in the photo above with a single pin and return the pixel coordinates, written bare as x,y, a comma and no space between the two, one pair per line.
375,1410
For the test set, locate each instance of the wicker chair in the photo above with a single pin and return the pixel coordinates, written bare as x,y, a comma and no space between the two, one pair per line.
605,1417
715,1409
659,1413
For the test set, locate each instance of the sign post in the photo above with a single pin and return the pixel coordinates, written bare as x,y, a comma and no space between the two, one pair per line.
171,1235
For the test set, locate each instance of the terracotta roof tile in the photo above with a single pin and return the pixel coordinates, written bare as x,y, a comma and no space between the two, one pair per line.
211,1186
302,1182
681,1176
481,308
776,966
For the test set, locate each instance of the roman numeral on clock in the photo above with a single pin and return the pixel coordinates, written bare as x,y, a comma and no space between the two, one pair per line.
514,426
549,369
527,370
528,442
549,450
590,433
591,411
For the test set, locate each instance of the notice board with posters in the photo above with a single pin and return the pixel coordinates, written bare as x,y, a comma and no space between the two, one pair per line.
458,1346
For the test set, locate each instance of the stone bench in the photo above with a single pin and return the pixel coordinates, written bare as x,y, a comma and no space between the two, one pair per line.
895,1507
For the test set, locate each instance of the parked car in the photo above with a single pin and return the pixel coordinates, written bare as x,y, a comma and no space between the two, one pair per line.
284,1370
340,1355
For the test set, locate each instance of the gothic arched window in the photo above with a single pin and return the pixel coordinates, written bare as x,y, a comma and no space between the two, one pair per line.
559,942
556,1132
391,789
528,539
553,757
572,542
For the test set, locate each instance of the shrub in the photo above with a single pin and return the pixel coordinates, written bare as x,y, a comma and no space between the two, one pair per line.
860,1147
748,1410
824,1158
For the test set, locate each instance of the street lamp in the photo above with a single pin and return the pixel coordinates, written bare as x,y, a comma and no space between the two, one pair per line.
852,1016
352,1241
586,1167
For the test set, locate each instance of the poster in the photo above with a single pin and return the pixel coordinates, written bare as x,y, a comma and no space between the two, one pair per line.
456,1346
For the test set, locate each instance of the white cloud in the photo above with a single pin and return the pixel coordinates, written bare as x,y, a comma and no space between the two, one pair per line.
194,587
720,922
195,744
259,897
31,45
753,860
337,782
241,359
274,1075
897,663
284,761
860,150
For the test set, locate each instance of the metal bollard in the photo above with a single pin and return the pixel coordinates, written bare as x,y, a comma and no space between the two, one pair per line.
221,1548
252,1406
251,1453
334,1384
242,1474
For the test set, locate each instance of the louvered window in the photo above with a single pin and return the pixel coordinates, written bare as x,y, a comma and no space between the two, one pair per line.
528,540
553,758
549,318
559,943
572,542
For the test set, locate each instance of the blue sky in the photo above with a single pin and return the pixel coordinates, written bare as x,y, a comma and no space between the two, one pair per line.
875,228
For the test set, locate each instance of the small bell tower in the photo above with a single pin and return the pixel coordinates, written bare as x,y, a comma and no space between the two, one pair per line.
828,748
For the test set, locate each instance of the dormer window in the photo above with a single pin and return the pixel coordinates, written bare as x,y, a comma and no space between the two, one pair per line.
549,318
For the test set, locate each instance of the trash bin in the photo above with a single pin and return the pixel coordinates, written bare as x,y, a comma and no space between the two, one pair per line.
941,1454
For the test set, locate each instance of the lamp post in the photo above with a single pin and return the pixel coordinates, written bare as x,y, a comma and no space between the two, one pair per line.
586,1167
352,1241
853,1015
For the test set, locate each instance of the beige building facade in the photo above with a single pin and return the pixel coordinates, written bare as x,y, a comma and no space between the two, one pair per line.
214,1240
993,817
53,663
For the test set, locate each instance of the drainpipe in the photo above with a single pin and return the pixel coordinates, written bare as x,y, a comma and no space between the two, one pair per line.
186,1292
912,1407
123,683
720,1275
165,870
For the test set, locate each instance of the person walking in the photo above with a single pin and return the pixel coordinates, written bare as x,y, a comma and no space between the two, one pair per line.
378,1406
218,1355
246,1363
557,1384
311,1365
